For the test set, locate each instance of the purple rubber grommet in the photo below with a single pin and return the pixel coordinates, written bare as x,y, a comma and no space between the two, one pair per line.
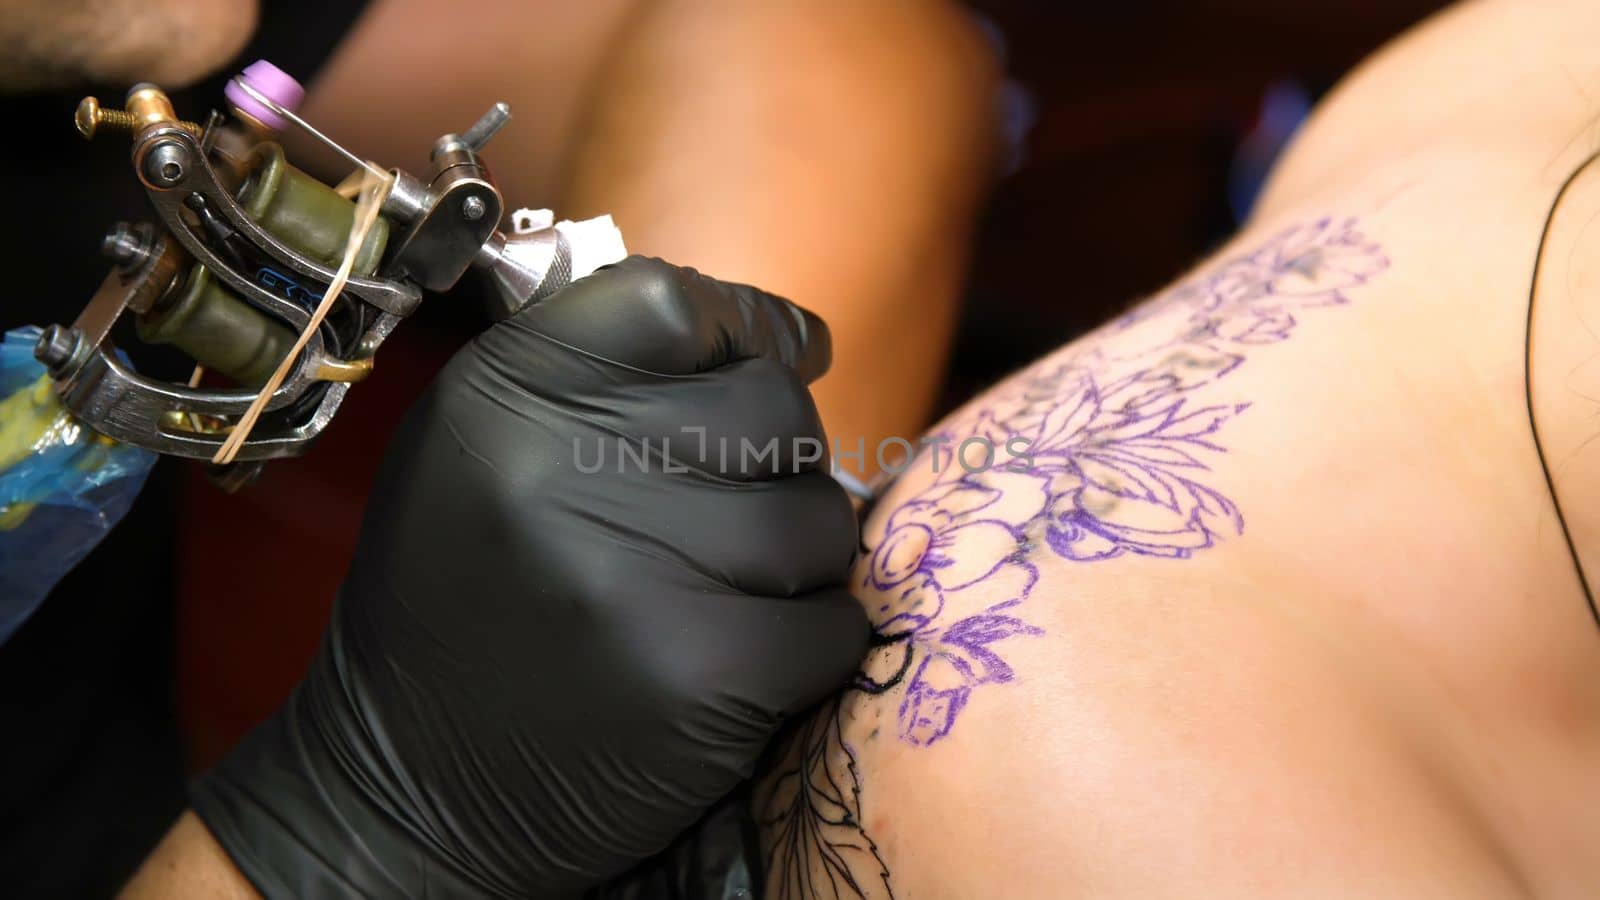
271,82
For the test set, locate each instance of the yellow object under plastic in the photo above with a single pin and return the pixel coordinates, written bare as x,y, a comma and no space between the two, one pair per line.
31,419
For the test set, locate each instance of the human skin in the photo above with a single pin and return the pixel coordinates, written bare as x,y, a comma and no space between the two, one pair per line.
58,43
782,144
1281,605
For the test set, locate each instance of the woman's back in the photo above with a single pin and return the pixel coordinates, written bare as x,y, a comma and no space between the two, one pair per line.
1260,588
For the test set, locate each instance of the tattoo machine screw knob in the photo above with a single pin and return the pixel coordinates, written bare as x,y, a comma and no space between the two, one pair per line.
91,116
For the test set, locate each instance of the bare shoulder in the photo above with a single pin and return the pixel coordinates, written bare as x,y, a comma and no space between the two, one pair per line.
1260,587
1101,457
1150,612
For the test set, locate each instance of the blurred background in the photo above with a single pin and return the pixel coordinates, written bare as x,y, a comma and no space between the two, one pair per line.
1140,130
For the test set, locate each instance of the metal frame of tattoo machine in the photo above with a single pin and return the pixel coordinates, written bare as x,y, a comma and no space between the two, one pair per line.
244,249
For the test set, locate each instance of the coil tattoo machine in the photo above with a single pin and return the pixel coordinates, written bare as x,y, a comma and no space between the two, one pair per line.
244,254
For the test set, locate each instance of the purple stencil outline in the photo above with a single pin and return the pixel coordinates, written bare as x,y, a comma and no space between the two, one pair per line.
1116,449
1111,431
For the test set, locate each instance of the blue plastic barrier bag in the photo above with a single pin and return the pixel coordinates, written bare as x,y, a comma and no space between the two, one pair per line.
63,487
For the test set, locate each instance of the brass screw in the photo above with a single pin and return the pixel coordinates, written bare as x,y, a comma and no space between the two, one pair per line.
92,115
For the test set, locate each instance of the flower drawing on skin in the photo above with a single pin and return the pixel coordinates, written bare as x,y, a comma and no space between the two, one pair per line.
1251,299
1101,451
957,659
1124,442
1124,466
949,537
954,536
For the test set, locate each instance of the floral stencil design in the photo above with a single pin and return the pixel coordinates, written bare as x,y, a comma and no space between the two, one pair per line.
1105,450
1099,451
951,538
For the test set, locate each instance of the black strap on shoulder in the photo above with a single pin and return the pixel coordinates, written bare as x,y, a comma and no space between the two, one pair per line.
1527,384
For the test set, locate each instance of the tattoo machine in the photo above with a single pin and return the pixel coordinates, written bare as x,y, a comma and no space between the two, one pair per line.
281,284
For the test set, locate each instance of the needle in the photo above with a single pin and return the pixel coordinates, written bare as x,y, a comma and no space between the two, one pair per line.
307,127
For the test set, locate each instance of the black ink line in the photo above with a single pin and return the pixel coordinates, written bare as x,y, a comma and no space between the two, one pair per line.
871,686
1527,384
882,640
821,822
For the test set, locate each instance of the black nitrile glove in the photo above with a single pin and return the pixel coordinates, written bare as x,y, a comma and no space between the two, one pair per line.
538,675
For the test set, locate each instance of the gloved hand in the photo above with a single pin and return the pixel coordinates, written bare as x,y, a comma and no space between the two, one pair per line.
546,662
